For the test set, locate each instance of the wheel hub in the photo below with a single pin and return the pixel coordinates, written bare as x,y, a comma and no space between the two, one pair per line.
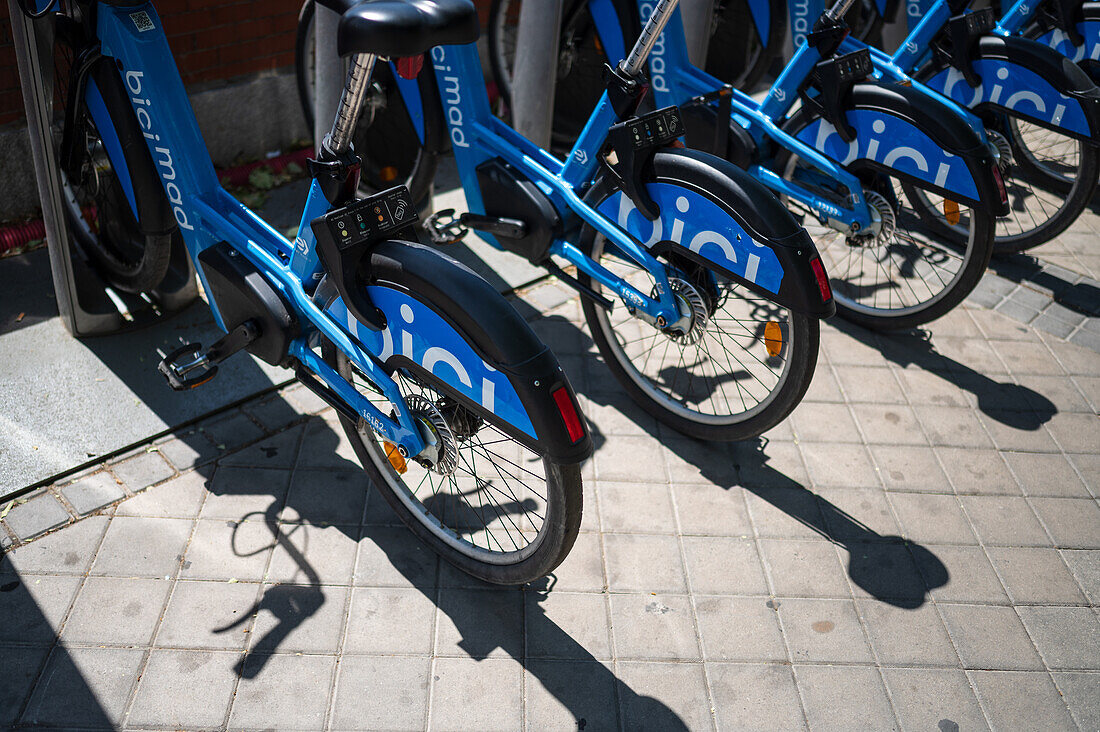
883,222
1004,149
695,314
441,453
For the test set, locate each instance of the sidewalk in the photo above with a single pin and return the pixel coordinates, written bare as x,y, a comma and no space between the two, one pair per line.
917,547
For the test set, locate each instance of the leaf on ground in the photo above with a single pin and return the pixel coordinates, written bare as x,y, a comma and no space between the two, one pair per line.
19,318
262,178
6,509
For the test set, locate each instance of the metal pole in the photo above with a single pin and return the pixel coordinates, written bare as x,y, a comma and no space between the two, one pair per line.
536,69
328,72
698,16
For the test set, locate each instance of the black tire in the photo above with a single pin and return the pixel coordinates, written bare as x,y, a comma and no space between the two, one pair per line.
919,276
100,218
384,137
775,383
446,518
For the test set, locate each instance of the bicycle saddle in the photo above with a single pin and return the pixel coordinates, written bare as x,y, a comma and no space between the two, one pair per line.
402,27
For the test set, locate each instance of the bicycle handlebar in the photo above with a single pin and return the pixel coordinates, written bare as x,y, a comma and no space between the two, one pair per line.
635,60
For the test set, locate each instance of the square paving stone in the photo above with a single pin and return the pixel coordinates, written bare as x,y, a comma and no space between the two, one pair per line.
1035,575
1004,521
177,498
185,689
896,573
93,492
889,425
1048,394
393,557
1081,692
710,510
142,547
480,623
978,472
617,460
214,615
825,631
325,445
583,568
292,691
875,384
930,388
857,515
36,516
825,423
21,669
455,681
223,550
907,636
388,621
692,461
641,562
88,687
932,518
843,466
1018,430
615,414
33,608
272,413
765,466
233,430
720,565
1067,637
950,427
792,513
1027,358
322,554
1076,432
627,507
653,627
929,699
570,695
1085,567
1073,522
1015,700
278,451
143,471
663,696
1088,466
844,697
990,637
116,611
188,449
804,568
755,696
299,619
1046,475
909,468
398,697
327,497
234,493
739,629
65,552
824,387
969,575
567,625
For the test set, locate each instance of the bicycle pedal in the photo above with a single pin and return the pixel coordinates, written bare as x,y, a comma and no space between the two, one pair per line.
444,227
190,359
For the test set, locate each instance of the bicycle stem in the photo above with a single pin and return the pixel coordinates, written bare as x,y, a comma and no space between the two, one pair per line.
633,64
839,9
351,100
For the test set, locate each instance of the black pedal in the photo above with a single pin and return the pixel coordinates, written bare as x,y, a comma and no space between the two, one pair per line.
190,366
635,141
345,236
445,228
834,78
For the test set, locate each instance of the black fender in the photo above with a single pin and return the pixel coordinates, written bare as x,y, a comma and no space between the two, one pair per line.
1049,89
912,136
742,206
495,331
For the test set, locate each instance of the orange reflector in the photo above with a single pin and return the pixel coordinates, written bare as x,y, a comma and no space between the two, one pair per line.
568,414
773,338
951,211
395,458
388,173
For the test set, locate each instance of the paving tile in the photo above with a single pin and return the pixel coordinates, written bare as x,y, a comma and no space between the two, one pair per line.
1081,693
213,615
844,697
823,631
583,568
650,626
184,689
1027,358
272,413
319,554
1046,475
933,389
65,552
889,425
324,445
739,629
909,468
116,611
388,621
480,623
1067,637
225,550
398,697
974,353
303,400
1073,522
978,472
570,695
874,384
990,637
770,465
34,607
235,493
928,699
907,636
1076,432
294,690
177,498
614,413
36,516
143,471
93,492
785,512
278,451
142,547
644,563
1018,430
631,507
455,681
951,427
1051,394
617,460
719,565
1085,567
755,696
1088,466
393,557
94,683
844,466
21,670
710,510
824,423
971,577
931,518
823,387
567,626
1004,521
804,568
188,449
323,497
663,696
299,619
889,572
1015,700
857,515
1034,575
232,430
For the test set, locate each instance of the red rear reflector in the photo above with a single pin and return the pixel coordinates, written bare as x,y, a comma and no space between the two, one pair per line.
569,414
822,279
409,67
1000,183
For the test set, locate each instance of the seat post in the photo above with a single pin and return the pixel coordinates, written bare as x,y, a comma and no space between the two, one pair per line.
351,101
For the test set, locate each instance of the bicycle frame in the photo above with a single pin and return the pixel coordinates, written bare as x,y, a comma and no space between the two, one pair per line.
1020,15
207,215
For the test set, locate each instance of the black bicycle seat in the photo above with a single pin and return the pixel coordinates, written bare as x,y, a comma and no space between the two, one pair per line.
402,27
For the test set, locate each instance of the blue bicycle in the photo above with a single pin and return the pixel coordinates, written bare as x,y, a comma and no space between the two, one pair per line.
1070,27
459,414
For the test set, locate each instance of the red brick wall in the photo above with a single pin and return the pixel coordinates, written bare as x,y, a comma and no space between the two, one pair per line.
211,39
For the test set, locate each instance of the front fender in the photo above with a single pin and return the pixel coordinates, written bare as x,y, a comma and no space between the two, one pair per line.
912,135
1030,80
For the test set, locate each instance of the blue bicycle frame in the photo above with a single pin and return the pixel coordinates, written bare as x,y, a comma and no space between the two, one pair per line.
1019,17
207,215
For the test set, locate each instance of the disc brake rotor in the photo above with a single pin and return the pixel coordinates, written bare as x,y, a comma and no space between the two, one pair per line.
882,231
1003,147
442,456
691,300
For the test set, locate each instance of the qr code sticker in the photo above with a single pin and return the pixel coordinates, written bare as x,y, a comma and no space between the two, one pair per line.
142,21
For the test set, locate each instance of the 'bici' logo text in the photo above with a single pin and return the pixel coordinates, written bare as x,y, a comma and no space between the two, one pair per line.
163,156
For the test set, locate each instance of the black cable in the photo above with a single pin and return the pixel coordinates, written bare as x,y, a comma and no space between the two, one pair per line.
36,14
